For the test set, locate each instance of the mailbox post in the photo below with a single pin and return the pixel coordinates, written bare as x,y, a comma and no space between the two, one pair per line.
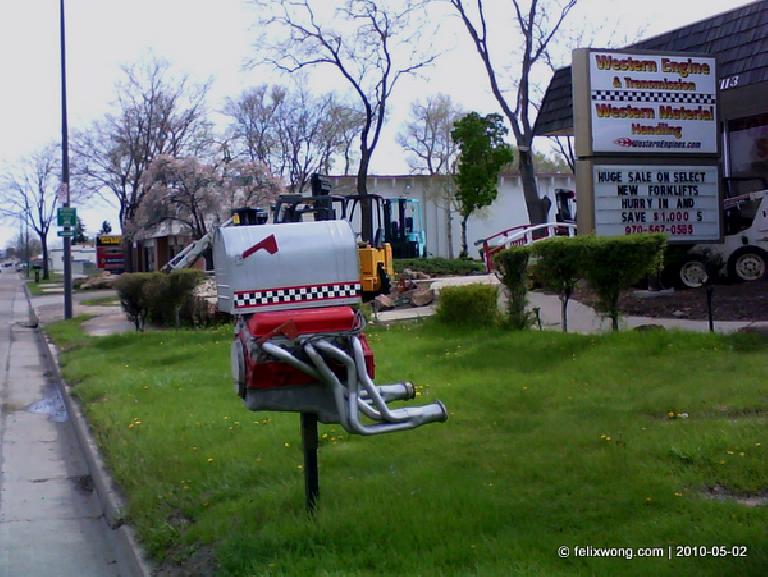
299,344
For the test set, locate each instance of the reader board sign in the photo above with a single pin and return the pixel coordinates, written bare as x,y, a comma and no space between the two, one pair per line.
109,252
653,103
682,202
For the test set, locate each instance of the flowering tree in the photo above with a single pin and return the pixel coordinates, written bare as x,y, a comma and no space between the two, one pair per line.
201,195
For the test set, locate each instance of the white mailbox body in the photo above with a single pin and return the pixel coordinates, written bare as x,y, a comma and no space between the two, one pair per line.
286,266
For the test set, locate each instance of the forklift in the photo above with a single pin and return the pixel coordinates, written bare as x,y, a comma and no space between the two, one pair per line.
375,256
403,227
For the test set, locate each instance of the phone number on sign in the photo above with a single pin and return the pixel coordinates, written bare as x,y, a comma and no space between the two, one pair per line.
681,229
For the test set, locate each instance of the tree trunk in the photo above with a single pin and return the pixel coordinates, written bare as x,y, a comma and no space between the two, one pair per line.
464,249
366,212
44,243
536,207
564,310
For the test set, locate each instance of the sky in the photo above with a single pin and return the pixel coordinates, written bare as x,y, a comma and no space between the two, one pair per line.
213,40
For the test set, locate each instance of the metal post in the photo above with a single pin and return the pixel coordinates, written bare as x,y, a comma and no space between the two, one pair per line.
710,290
65,173
309,442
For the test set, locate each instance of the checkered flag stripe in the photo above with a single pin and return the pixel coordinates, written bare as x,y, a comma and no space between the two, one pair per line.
663,97
310,293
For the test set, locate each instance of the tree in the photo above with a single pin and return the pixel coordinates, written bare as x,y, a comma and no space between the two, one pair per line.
483,154
200,195
106,227
80,236
427,135
29,194
370,44
155,114
538,27
253,122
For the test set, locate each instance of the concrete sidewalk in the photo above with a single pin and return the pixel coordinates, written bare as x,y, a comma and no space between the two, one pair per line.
51,522
581,318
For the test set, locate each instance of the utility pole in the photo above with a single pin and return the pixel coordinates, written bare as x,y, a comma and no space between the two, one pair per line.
65,172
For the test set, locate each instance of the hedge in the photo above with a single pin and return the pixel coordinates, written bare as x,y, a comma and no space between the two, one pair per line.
165,299
468,305
512,268
440,266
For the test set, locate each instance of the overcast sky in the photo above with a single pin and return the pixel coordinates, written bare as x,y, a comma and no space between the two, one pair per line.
208,39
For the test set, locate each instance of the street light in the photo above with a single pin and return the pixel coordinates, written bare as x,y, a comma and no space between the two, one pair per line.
65,172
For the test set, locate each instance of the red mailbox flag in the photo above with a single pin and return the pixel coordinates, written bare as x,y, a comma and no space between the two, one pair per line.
269,244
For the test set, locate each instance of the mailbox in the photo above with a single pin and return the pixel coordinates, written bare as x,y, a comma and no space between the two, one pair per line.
299,344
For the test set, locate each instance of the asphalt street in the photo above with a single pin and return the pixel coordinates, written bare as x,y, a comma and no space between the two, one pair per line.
51,522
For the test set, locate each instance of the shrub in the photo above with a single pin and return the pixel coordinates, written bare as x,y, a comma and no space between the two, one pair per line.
130,289
613,264
512,267
440,266
559,266
164,299
468,305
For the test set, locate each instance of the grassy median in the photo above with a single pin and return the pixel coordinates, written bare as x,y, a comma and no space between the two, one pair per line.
624,440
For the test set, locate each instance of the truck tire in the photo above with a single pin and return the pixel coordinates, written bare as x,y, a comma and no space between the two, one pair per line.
692,272
749,263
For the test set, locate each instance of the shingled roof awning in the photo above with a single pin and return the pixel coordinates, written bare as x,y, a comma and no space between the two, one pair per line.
738,38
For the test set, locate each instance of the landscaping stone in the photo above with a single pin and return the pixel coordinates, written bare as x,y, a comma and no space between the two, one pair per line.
384,302
422,297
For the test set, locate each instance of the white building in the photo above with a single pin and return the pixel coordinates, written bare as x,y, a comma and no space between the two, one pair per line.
442,223
83,259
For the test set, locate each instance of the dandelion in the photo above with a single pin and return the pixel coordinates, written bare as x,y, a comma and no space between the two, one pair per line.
741,453
648,499
194,448
607,438
678,494
730,452
324,436
131,425
287,444
671,414
210,459
757,444
333,439
299,466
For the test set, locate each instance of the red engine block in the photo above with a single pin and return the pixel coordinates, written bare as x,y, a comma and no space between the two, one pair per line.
291,324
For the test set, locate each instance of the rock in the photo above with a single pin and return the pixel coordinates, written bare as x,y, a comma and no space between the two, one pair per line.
422,276
422,297
99,281
649,327
383,303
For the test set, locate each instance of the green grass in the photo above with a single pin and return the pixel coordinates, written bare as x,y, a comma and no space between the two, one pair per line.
553,439
102,301
34,287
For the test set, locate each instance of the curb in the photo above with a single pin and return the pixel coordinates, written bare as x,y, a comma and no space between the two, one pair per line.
132,559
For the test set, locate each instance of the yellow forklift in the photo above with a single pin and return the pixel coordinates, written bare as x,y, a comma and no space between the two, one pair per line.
375,255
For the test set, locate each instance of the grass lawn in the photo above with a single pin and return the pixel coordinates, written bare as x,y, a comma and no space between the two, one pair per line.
553,440
34,287
111,301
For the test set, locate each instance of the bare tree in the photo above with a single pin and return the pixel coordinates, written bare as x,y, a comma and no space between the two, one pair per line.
538,27
372,46
29,194
253,122
155,114
427,135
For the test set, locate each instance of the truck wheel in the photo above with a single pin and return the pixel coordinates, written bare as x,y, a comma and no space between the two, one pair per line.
747,264
692,272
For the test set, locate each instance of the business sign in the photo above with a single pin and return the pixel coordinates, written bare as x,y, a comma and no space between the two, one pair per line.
651,103
109,240
681,201
109,252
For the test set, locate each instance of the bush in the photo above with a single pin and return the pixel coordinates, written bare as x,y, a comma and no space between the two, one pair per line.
130,289
440,266
613,264
164,299
512,266
559,266
468,305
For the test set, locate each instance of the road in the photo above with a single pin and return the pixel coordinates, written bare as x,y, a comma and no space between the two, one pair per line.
50,519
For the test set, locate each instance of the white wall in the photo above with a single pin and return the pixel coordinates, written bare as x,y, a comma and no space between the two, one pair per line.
507,211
